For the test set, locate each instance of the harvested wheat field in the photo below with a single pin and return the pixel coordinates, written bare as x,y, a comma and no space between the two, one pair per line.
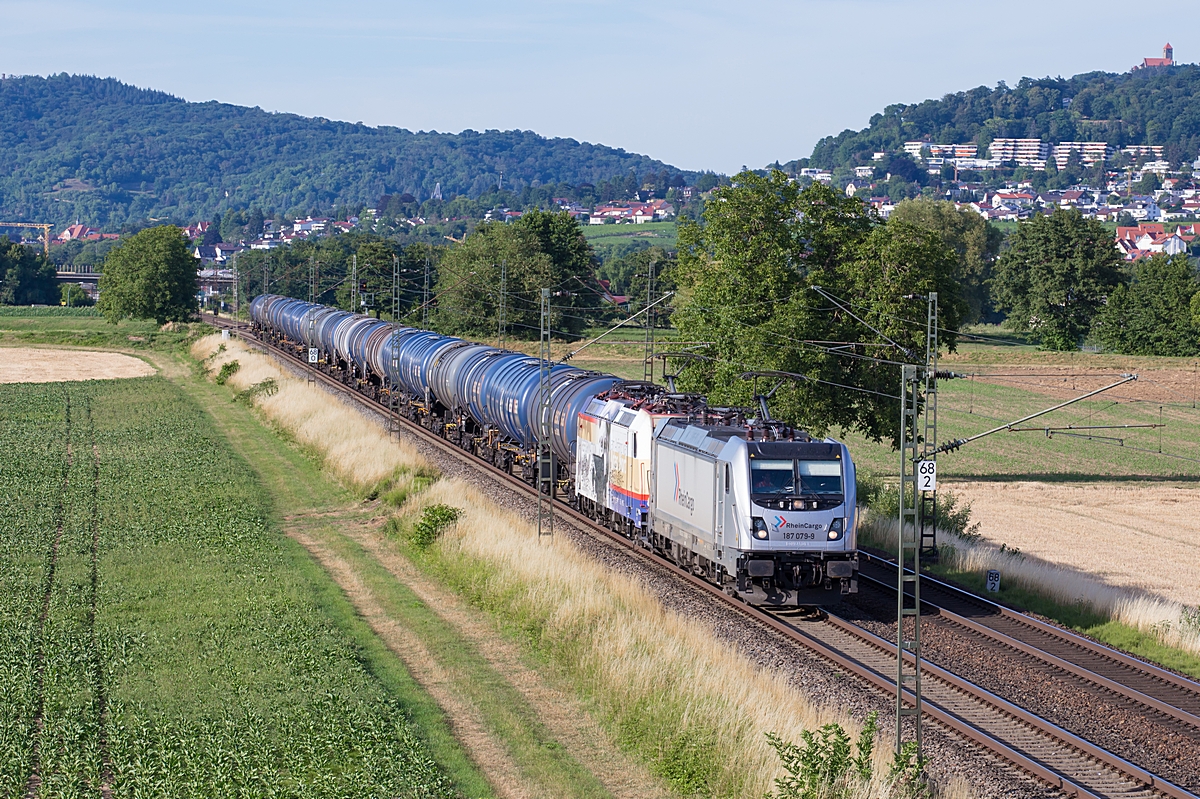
1134,535
34,365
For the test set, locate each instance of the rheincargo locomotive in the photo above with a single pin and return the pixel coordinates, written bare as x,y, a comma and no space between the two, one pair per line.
761,509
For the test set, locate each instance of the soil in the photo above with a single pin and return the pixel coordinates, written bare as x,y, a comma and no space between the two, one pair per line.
35,365
1137,534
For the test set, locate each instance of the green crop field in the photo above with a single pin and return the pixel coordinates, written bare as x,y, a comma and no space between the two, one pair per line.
159,636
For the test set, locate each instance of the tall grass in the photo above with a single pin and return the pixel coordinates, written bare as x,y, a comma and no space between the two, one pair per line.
350,445
1172,623
694,709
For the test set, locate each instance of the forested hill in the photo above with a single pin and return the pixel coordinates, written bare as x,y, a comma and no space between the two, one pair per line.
103,152
1153,106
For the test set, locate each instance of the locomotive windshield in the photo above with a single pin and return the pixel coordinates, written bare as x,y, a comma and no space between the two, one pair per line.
773,477
792,478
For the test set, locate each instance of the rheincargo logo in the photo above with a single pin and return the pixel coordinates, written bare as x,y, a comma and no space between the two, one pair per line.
783,524
682,497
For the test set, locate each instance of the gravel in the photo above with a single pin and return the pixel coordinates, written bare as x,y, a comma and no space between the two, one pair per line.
1152,740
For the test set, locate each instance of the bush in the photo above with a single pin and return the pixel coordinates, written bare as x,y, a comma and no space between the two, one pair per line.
884,502
433,522
268,387
825,766
227,370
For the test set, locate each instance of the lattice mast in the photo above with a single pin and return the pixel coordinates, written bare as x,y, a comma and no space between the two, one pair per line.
545,459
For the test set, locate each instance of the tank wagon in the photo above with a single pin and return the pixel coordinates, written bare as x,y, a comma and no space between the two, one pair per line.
761,509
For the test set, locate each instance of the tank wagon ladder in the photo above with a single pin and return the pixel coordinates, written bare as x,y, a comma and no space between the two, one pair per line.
310,331
393,392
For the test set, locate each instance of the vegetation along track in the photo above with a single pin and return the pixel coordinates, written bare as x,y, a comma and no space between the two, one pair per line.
1149,715
1045,750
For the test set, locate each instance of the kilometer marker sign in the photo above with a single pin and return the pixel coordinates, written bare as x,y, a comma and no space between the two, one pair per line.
927,475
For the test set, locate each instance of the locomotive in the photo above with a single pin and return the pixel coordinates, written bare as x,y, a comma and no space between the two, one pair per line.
761,509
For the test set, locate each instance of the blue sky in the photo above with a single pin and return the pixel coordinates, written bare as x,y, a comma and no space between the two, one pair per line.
699,84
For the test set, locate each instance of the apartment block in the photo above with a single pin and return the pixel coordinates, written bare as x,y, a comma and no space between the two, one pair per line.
1090,152
1025,152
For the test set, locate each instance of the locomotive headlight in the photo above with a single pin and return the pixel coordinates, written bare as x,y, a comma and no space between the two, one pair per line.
760,528
836,528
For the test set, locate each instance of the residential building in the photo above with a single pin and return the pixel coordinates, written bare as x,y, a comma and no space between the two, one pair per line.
1090,152
1139,150
1025,152
864,171
915,148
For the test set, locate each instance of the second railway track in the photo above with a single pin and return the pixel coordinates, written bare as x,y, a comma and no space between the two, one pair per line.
1015,735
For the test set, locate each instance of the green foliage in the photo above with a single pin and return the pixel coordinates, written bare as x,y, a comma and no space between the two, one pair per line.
1054,277
266,388
973,239
825,767
1144,107
907,773
540,250
112,154
953,515
26,278
73,296
1152,315
746,281
228,369
151,275
433,522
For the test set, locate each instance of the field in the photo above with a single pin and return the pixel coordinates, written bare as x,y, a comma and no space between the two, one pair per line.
611,241
161,639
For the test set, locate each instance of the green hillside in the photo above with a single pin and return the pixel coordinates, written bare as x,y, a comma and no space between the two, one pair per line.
106,153
1159,106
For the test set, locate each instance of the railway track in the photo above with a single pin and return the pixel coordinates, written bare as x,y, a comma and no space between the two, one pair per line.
1059,758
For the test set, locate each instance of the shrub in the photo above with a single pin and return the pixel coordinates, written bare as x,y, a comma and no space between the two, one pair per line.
269,387
952,517
434,520
825,766
227,370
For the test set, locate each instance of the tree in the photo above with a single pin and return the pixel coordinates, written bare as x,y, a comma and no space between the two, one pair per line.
572,263
26,277
1149,184
74,296
746,281
1152,314
1055,275
469,283
973,239
150,275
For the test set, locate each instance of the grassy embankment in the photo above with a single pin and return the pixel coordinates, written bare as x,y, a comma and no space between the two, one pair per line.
163,639
691,709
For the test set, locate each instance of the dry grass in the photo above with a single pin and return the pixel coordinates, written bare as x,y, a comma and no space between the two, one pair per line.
636,661
352,447
1171,622
34,365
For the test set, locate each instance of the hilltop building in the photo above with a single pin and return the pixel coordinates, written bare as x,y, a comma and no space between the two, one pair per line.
1168,60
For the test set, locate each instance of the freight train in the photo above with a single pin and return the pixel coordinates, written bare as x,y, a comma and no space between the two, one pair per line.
757,507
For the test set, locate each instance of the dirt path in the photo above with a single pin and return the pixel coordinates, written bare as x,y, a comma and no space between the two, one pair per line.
486,751
563,714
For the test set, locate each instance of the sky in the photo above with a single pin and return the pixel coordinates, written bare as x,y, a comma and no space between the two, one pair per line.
697,84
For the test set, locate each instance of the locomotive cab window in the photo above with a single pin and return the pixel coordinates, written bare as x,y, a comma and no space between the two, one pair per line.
820,477
773,477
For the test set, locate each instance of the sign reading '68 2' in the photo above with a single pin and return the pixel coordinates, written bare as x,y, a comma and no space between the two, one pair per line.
927,475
